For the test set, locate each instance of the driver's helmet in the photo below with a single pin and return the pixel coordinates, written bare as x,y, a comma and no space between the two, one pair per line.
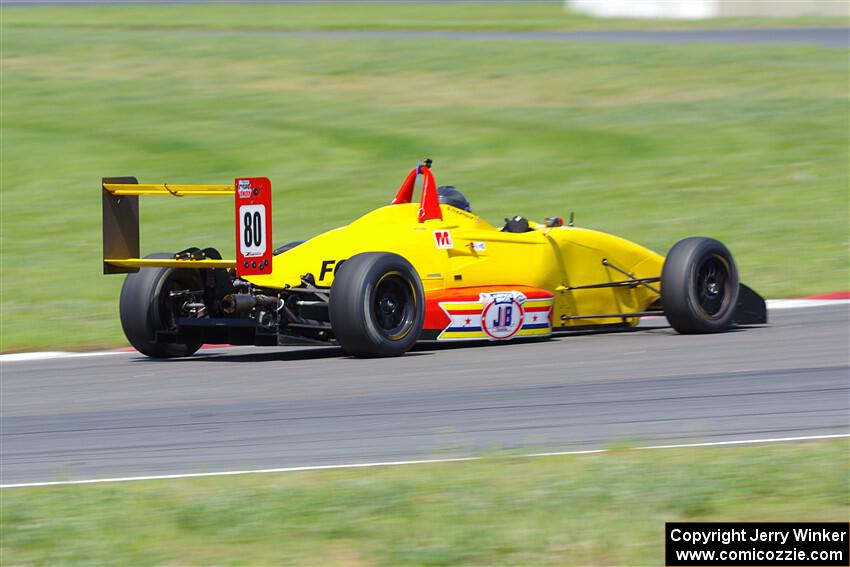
451,196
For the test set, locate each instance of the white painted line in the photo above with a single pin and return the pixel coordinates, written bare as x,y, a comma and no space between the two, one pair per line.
804,303
242,472
748,441
412,462
29,356
691,445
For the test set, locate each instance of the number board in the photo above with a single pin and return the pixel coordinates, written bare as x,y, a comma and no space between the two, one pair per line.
253,226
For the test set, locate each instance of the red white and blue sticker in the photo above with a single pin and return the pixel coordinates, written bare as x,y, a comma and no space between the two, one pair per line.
497,316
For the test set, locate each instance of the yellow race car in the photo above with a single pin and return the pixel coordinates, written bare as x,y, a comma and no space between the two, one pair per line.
405,272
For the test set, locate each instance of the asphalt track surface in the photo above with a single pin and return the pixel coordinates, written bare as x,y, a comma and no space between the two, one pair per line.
818,37
250,408
834,37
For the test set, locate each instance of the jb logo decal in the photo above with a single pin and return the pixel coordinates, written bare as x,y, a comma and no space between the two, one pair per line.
503,314
497,316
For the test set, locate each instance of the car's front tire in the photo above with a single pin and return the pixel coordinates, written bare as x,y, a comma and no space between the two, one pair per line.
699,286
146,307
377,305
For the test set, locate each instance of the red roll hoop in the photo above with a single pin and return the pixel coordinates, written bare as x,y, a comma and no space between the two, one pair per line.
429,205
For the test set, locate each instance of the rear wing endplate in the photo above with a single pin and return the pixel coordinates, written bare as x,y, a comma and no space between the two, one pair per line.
121,244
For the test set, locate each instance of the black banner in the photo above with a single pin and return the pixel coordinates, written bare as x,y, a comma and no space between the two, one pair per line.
694,544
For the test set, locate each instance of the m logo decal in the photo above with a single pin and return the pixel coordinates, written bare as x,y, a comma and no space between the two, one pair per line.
443,239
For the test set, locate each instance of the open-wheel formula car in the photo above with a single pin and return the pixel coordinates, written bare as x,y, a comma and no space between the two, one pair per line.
403,273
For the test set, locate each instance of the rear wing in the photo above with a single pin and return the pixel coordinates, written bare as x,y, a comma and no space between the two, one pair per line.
121,243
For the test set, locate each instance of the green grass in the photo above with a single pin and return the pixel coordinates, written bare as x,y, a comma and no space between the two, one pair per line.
602,509
654,143
541,16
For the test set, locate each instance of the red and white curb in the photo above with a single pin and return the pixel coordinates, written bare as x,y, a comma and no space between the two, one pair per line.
830,299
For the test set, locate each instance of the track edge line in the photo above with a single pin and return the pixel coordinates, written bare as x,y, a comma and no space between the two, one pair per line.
411,462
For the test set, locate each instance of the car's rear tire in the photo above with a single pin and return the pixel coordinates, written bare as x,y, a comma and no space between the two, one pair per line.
377,305
145,308
699,286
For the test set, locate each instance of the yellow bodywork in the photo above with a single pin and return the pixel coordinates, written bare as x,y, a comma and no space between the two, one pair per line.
558,259
165,189
554,259
169,263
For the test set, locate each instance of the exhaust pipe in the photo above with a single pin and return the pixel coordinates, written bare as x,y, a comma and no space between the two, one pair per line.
237,303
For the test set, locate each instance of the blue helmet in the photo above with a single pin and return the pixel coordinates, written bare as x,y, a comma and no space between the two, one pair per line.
449,195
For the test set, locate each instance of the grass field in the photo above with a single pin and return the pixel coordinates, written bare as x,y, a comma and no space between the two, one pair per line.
602,509
748,144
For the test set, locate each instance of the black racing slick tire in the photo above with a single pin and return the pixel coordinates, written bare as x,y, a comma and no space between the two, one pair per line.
146,307
377,305
699,286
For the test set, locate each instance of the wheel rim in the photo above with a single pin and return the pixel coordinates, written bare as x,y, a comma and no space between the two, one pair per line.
394,306
170,308
711,284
